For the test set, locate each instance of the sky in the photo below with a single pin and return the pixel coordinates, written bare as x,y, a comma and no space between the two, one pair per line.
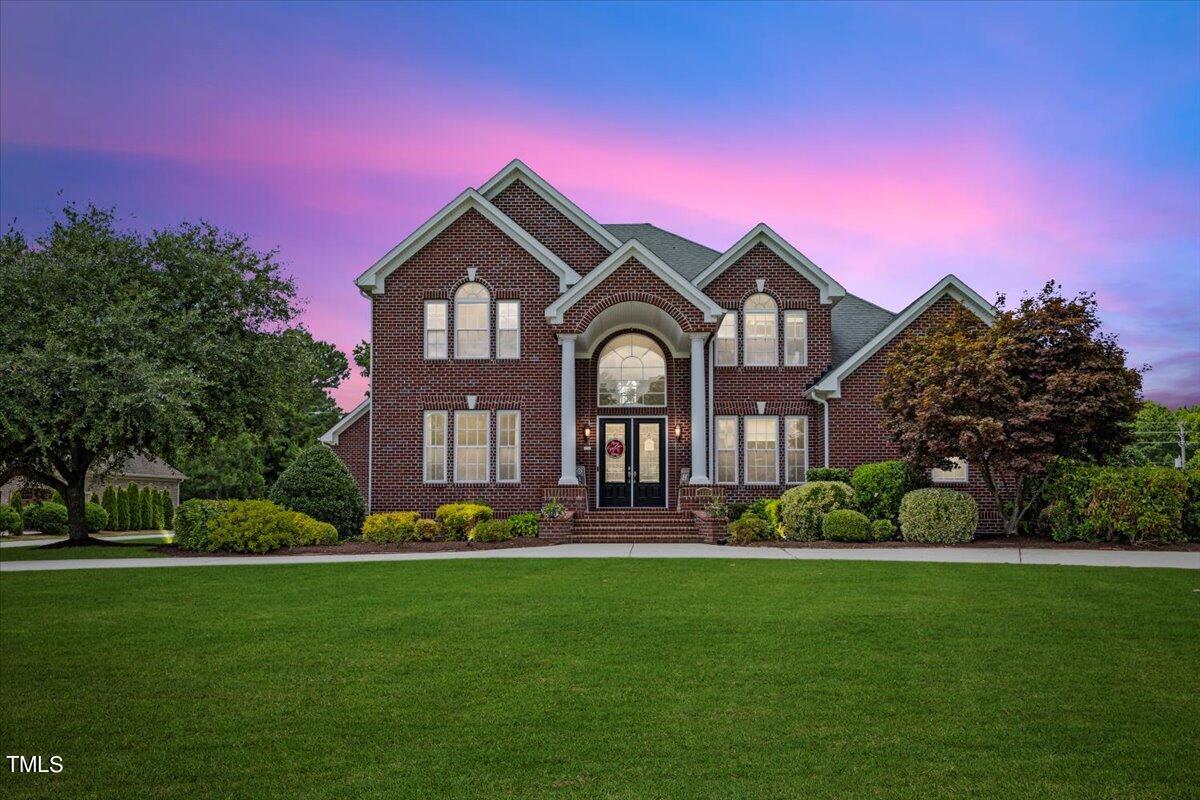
1009,144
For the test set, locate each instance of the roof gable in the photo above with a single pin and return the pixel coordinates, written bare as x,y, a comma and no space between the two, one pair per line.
686,257
373,279
516,169
331,436
634,249
761,233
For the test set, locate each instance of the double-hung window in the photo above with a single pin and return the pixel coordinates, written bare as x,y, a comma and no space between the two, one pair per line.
435,329
727,341
762,450
470,446
727,449
435,447
508,329
761,343
471,321
956,474
795,437
795,338
508,446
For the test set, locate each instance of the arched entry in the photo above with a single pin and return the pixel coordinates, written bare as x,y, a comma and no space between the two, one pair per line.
631,459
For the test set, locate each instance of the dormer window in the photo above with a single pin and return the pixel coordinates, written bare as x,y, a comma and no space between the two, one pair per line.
471,321
761,345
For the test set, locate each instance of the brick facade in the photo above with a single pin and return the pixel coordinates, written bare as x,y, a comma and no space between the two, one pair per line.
353,447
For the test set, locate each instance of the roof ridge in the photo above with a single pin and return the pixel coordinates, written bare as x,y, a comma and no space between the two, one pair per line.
667,232
873,305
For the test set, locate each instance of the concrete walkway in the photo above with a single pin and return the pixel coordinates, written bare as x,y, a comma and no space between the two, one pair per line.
992,555
34,541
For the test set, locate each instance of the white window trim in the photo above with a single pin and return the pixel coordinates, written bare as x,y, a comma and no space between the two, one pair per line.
803,314
425,446
487,447
516,446
746,338
445,304
786,450
746,450
516,303
487,323
717,450
736,322
966,478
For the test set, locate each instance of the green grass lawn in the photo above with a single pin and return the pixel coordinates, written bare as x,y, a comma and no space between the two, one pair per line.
604,679
139,549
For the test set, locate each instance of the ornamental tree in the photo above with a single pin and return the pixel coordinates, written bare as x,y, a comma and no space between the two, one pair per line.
1042,382
117,343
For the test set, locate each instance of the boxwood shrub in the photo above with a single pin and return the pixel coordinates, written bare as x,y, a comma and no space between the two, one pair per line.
846,525
11,521
836,474
318,484
259,526
95,516
391,527
524,524
48,518
749,528
1138,505
802,508
194,519
427,530
491,530
938,515
458,519
883,529
879,487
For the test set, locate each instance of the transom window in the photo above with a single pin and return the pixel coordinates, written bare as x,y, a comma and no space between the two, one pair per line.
632,372
761,338
471,321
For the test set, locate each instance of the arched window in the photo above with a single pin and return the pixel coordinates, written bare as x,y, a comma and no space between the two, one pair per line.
761,337
471,321
632,372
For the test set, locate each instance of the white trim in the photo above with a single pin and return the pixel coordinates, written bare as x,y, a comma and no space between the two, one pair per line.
773,338
633,249
487,448
803,314
966,478
804,472
745,450
516,303
830,289
516,169
425,446
516,446
831,384
487,321
373,279
425,329
331,436
717,449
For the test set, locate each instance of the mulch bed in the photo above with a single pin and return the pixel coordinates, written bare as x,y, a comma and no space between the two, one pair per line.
987,541
362,548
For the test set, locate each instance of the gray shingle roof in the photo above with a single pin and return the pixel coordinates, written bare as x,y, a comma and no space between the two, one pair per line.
855,322
686,257
143,466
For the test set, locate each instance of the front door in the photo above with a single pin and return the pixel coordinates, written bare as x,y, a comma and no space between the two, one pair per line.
633,465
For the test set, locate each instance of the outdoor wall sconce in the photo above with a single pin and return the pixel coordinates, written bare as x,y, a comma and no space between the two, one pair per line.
587,437
678,433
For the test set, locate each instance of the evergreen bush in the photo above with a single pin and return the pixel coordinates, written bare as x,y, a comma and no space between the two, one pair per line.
317,483
802,508
943,516
846,525
95,516
879,487
48,518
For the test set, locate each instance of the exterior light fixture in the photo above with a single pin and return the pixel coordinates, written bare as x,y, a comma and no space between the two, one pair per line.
678,432
587,437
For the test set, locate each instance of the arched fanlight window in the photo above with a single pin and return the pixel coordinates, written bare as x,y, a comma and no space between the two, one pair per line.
632,372
761,334
471,321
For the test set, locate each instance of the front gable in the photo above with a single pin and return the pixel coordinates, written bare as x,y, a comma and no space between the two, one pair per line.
762,235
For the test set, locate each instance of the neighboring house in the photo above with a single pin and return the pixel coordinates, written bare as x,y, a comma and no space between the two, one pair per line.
522,350
142,470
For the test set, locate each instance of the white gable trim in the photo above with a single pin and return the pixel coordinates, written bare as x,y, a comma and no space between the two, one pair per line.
373,279
634,249
831,385
517,169
331,436
830,289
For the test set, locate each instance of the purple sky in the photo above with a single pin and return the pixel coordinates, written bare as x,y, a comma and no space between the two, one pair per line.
1009,144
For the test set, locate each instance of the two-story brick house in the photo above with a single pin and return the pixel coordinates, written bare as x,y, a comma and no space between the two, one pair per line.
521,350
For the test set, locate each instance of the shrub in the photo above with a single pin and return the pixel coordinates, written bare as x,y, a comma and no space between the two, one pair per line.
524,524
737,510
311,532
133,507
14,502
1133,504
168,511
749,528
193,521
938,515
11,521
801,508
122,505
1191,508
48,518
317,483
109,501
846,525
883,530
259,526
390,528
835,474
459,518
95,516
553,510
773,516
879,487
427,530
491,530
57,498
716,507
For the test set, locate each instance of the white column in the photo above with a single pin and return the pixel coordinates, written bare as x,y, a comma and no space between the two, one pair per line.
699,432
567,402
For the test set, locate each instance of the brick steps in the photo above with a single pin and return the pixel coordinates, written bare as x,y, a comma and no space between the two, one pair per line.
635,526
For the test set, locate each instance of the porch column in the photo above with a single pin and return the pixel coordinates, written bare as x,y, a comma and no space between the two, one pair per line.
699,432
567,403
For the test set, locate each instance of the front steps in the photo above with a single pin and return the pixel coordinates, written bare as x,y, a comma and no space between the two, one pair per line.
635,525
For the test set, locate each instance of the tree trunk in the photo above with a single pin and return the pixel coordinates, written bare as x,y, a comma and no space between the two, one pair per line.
75,497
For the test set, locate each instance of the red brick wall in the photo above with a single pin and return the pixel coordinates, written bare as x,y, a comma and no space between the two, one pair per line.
546,224
736,390
352,448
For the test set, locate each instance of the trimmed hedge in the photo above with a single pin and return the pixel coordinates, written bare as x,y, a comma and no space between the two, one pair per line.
458,519
879,487
48,518
883,529
491,530
427,530
318,484
835,474
943,516
390,528
802,508
846,525
524,524
11,521
95,516
749,528
1138,505
246,526
194,519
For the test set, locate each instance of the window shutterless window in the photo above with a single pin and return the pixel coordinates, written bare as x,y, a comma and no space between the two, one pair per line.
795,437
435,328
508,329
727,449
795,338
727,341
508,446
956,474
471,321
762,450
435,447
761,343
470,446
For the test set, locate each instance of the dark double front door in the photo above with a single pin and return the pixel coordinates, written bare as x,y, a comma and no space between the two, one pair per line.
632,462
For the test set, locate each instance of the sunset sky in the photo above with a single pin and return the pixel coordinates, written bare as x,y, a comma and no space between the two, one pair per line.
892,144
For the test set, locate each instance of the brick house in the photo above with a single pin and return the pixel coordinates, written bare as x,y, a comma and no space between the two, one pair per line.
521,350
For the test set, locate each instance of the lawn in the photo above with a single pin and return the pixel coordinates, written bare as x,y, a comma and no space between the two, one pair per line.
604,679
139,549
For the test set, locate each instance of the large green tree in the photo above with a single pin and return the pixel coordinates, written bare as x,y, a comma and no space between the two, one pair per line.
1041,382
116,343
